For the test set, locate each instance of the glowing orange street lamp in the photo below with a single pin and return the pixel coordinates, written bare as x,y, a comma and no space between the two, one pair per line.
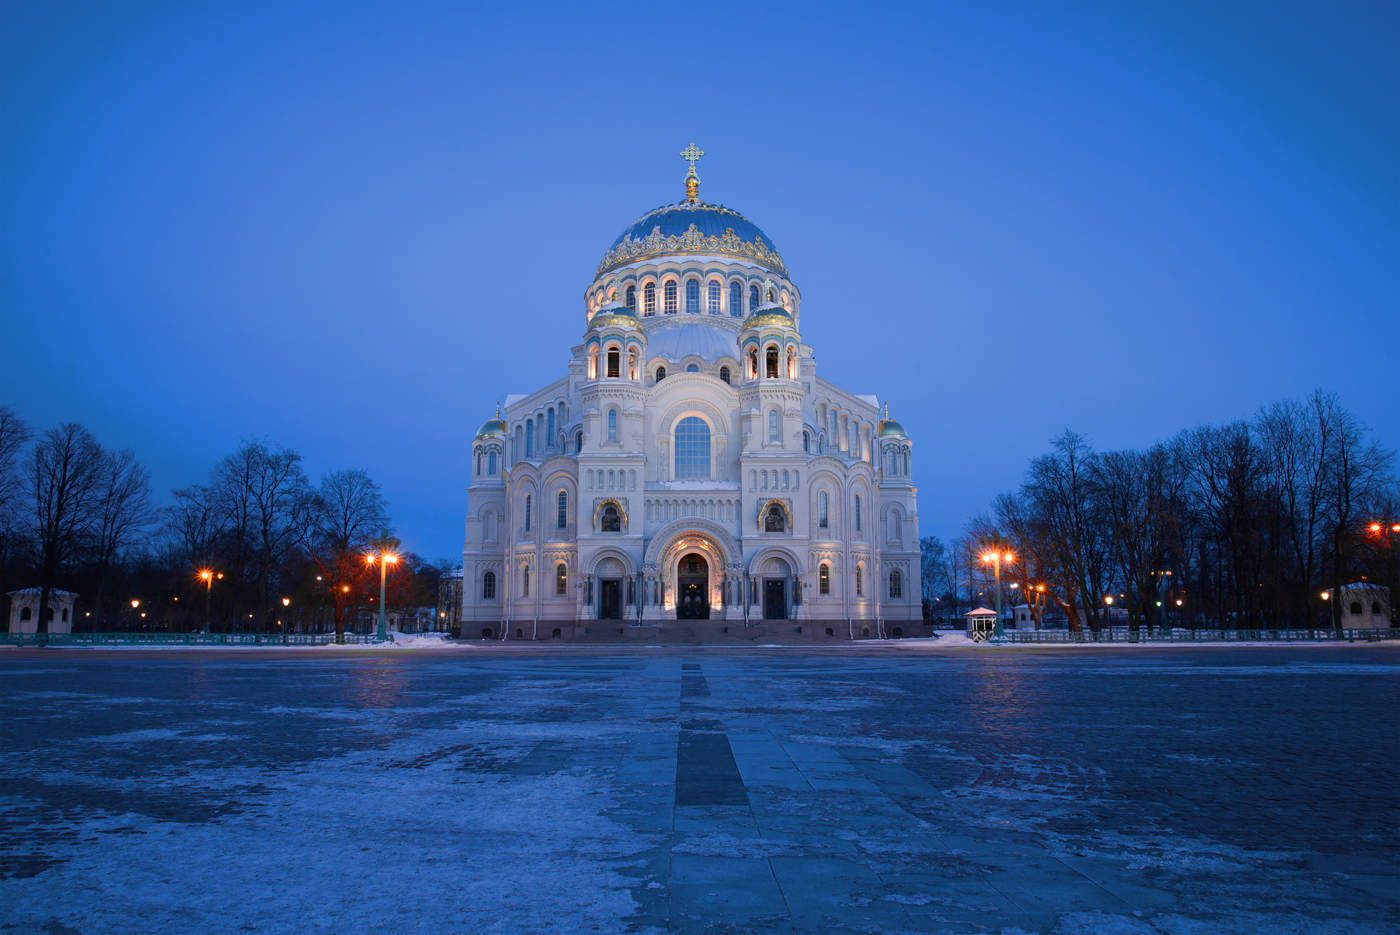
207,576
385,559
995,558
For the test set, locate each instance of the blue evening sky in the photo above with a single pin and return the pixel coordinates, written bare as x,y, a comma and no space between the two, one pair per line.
349,228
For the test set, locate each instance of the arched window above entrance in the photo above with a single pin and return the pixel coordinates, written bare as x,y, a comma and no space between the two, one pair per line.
692,449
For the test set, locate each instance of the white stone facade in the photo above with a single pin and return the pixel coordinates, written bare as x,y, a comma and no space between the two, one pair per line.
691,465
24,611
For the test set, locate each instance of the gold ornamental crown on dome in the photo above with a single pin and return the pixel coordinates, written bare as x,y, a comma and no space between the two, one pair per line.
692,240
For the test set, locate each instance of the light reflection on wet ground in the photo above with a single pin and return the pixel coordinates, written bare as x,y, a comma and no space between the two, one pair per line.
867,789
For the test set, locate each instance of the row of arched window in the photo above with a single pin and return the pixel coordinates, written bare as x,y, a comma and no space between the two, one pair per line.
711,302
843,431
561,516
824,511
692,368
896,581
611,361
773,367
488,458
561,582
540,434
561,575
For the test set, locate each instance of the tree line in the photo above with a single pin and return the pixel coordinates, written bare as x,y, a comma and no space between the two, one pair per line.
1240,525
256,547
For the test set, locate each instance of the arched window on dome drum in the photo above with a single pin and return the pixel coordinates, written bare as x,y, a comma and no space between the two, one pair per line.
563,509
614,362
753,298
774,520
772,295
561,578
724,374
549,429
611,520
692,368
692,449
491,463
660,374
529,438
527,512
578,443
632,297
771,367
736,300
857,512
807,442
823,513
896,584
824,579
488,586
612,425
669,301
753,363
773,425
632,364
713,291
792,363
692,296
649,298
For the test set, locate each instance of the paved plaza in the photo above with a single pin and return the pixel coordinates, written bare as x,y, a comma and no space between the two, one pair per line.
883,788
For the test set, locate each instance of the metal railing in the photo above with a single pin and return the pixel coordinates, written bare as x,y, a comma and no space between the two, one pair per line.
181,639
1183,635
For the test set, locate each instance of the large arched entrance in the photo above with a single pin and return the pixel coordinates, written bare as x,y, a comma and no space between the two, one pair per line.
692,587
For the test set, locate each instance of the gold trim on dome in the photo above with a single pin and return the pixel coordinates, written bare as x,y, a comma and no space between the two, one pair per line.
691,242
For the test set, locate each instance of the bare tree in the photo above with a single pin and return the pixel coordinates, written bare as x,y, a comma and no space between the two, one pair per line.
64,475
263,496
14,434
1061,490
347,511
122,508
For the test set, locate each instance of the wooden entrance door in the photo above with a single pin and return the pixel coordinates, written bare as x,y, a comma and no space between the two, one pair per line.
774,599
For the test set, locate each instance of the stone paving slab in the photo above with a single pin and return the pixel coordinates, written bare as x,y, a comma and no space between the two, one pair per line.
1176,792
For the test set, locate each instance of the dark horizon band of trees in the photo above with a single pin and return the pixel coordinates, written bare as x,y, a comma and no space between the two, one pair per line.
1246,524
77,516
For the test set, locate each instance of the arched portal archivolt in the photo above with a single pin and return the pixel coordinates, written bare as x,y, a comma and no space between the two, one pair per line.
661,544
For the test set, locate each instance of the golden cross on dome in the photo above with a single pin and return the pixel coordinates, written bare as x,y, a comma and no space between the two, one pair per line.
692,181
690,154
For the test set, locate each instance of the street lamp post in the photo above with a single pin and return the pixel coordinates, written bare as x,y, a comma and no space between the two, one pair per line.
286,620
385,559
1108,612
995,558
207,576
1327,596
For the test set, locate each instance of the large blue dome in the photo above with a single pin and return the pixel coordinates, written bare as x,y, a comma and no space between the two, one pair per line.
692,227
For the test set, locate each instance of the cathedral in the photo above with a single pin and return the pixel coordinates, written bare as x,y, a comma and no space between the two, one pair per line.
691,471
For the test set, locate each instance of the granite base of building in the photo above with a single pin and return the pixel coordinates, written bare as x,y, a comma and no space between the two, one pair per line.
693,632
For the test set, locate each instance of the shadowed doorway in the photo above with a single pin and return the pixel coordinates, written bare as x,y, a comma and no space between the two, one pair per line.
692,588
